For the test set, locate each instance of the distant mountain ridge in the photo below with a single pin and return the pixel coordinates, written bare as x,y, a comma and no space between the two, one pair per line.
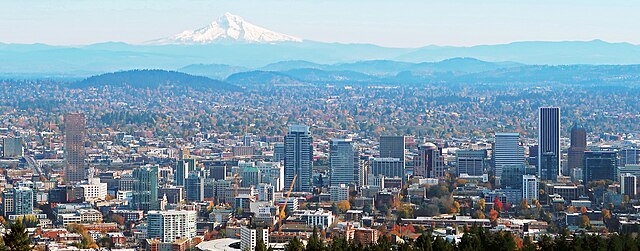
377,68
154,79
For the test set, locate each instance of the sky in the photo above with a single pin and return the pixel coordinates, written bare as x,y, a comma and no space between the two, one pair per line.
398,23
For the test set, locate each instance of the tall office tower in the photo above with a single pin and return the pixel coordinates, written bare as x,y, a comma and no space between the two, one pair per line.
298,159
429,163
529,188
344,163
74,131
145,188
183,168
171,225
599,165
12,148
577,148
470,162
628,185
507,151
629,156
549,142
392,147
194,187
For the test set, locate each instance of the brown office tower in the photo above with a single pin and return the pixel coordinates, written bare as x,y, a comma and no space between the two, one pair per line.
577,148
74,152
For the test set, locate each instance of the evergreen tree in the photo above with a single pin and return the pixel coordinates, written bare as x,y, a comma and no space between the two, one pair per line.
295,245
528,244
315,244
17,239
441,244
260,245
423,243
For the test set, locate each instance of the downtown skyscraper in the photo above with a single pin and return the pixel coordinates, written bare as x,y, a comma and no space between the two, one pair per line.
344,163
507,151
549,143
145,188
576,150
298,159
74,152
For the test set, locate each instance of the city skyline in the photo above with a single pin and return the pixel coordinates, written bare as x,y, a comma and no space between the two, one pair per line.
324,125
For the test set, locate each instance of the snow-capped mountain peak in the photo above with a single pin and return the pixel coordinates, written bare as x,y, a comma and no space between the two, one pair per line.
228,27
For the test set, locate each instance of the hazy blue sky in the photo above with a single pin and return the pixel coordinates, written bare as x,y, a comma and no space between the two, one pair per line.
388,23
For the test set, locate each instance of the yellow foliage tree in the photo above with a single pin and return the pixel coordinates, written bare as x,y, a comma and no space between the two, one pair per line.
344,205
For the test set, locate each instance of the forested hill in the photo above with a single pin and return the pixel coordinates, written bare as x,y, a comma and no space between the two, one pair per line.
155,78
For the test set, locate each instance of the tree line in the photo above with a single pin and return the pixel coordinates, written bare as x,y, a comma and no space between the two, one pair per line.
474,239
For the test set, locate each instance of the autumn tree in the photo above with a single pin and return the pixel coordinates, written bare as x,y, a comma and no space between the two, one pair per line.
493,215
497,204
344,205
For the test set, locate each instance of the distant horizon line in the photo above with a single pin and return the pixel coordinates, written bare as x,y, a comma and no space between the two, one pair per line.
314,41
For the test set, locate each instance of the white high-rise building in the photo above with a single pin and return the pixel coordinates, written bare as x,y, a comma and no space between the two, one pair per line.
507,151
171,225
529,188
249,237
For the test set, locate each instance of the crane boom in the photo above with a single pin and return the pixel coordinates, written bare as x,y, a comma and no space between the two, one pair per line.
286,199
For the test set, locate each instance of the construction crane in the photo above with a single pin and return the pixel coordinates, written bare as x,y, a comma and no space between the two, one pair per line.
235,176
284,205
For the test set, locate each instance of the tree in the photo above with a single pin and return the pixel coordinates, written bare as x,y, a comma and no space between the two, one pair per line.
260,245
497,204
493,215
584,222
294,245
17,239
105,242
481,204
334,208
344,205
423,242
455,208
315,244
367,208
524,205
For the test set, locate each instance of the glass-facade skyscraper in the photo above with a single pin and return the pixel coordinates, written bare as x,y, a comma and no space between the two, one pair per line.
507,151
298,159
344,163
145,188
549,142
